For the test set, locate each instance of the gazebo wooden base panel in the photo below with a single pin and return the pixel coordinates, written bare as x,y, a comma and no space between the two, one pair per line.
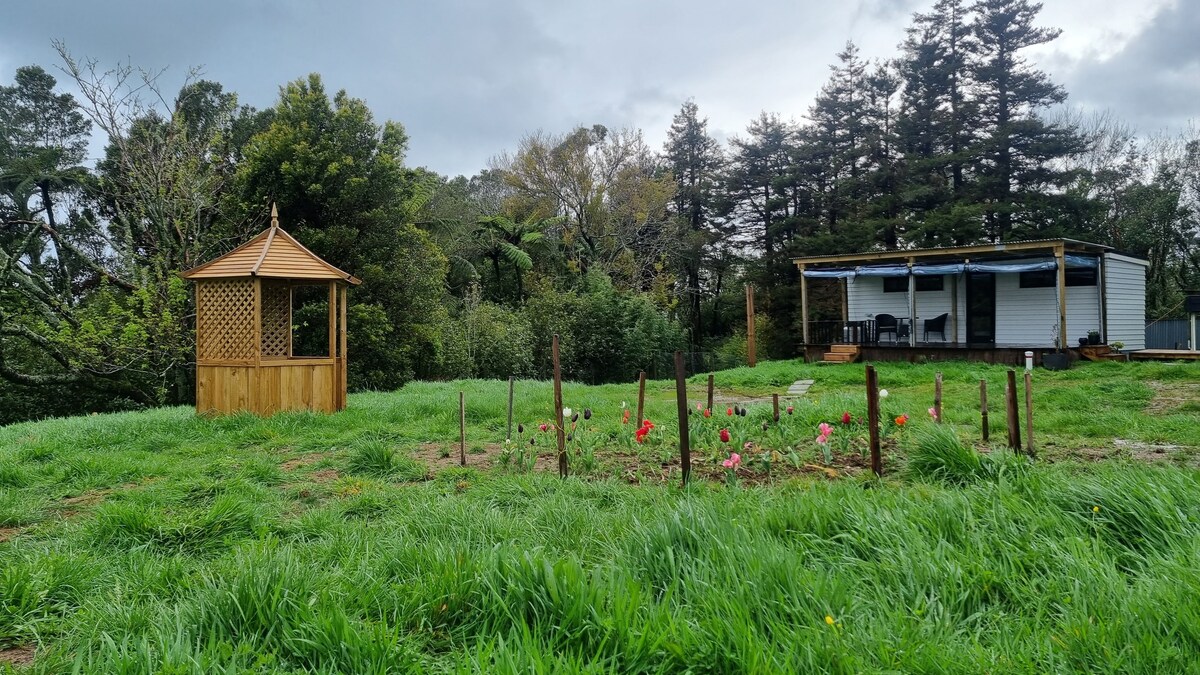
270,388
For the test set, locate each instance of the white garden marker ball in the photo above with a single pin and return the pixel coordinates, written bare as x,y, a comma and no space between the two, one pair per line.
883,393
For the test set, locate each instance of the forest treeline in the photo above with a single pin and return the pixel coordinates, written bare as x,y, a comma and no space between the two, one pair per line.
629,251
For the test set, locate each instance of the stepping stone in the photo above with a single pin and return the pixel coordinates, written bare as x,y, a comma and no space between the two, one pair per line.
799,387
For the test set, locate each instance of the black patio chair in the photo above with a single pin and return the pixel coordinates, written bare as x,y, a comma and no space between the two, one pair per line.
936,325
886,323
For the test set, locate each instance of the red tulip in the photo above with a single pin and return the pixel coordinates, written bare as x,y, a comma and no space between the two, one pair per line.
724,435
640,434
707,412
846,418
729,411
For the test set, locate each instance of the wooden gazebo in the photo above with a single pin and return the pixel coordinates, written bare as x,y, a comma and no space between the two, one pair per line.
244,357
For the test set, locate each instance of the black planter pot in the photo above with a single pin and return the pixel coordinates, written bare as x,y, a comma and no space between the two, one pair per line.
1083,342
1056,361
1093,338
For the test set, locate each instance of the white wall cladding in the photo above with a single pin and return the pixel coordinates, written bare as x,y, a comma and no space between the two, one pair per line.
1125,293
866,299
1024,316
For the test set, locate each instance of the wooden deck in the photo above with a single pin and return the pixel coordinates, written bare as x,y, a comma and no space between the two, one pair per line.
1010,355
1165,355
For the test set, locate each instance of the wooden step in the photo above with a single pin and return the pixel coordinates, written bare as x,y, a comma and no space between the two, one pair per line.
843,349
839,357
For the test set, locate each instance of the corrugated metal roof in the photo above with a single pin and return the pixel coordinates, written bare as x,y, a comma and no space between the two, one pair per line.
1022,246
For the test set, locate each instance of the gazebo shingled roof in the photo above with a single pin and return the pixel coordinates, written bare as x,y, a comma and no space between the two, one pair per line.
273,254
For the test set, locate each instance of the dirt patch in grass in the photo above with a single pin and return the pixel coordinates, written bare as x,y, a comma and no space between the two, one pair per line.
7,533
325,476
303,461
1171,395
438,456
17,656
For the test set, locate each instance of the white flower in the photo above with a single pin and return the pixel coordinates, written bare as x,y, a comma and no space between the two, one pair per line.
567,412
883,393
622,405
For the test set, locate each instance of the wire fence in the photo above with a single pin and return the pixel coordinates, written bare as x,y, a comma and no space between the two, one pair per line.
662,366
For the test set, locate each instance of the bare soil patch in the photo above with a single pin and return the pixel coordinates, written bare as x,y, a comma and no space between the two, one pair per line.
325,476
7,533
17,656
303,461
1171,395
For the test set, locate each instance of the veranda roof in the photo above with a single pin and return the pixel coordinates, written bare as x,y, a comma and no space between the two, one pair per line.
273,254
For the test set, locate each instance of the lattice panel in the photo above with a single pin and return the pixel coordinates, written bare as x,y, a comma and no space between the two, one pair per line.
276,318
225,330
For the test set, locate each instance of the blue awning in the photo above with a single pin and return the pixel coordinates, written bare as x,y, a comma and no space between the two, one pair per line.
1013,266
832,273
937,269
882,271
1088,261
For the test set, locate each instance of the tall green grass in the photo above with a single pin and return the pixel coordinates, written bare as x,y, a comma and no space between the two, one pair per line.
163,542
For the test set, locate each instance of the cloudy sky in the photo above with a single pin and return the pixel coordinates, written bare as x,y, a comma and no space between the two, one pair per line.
469,77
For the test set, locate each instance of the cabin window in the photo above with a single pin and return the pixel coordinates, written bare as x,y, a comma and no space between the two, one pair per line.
924,283
1049,278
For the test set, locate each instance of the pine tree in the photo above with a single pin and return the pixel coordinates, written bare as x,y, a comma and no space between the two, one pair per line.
937,125
1016,178
695,161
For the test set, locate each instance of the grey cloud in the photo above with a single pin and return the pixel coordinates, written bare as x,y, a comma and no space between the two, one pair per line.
1153,82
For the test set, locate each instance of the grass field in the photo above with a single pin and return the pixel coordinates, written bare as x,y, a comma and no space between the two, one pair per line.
164,542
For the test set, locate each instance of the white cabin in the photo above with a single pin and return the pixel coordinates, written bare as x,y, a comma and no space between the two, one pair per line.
1029,294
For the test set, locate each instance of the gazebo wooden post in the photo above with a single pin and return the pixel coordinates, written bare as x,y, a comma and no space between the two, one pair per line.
333,338
342,362
1060,259
803,305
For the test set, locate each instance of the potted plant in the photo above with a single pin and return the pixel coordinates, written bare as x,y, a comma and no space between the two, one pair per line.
1059,359
1117,346
1093,337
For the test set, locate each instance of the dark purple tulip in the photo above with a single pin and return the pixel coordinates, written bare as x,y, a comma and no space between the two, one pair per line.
587,413
520,428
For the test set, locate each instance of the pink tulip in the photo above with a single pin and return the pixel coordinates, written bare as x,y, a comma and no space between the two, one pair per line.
933,414
728,464
825,429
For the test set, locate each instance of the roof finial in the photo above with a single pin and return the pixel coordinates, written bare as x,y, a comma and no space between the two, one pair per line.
274,216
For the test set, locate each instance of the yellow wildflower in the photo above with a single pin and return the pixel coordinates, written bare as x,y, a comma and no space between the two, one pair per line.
1095,509
829,619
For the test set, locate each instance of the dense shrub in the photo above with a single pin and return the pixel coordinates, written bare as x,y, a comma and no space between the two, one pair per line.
605,335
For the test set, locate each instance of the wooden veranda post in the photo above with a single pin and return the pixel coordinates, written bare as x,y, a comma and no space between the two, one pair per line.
803,304
1060,258
685,451
560,432
912,306
751,355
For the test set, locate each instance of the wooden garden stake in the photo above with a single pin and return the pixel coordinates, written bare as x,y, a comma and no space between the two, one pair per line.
1010,400
1029,415
462,429
775,406
710,391
937,397
983,408
641,396
558,412
510,402
873,420
685,451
